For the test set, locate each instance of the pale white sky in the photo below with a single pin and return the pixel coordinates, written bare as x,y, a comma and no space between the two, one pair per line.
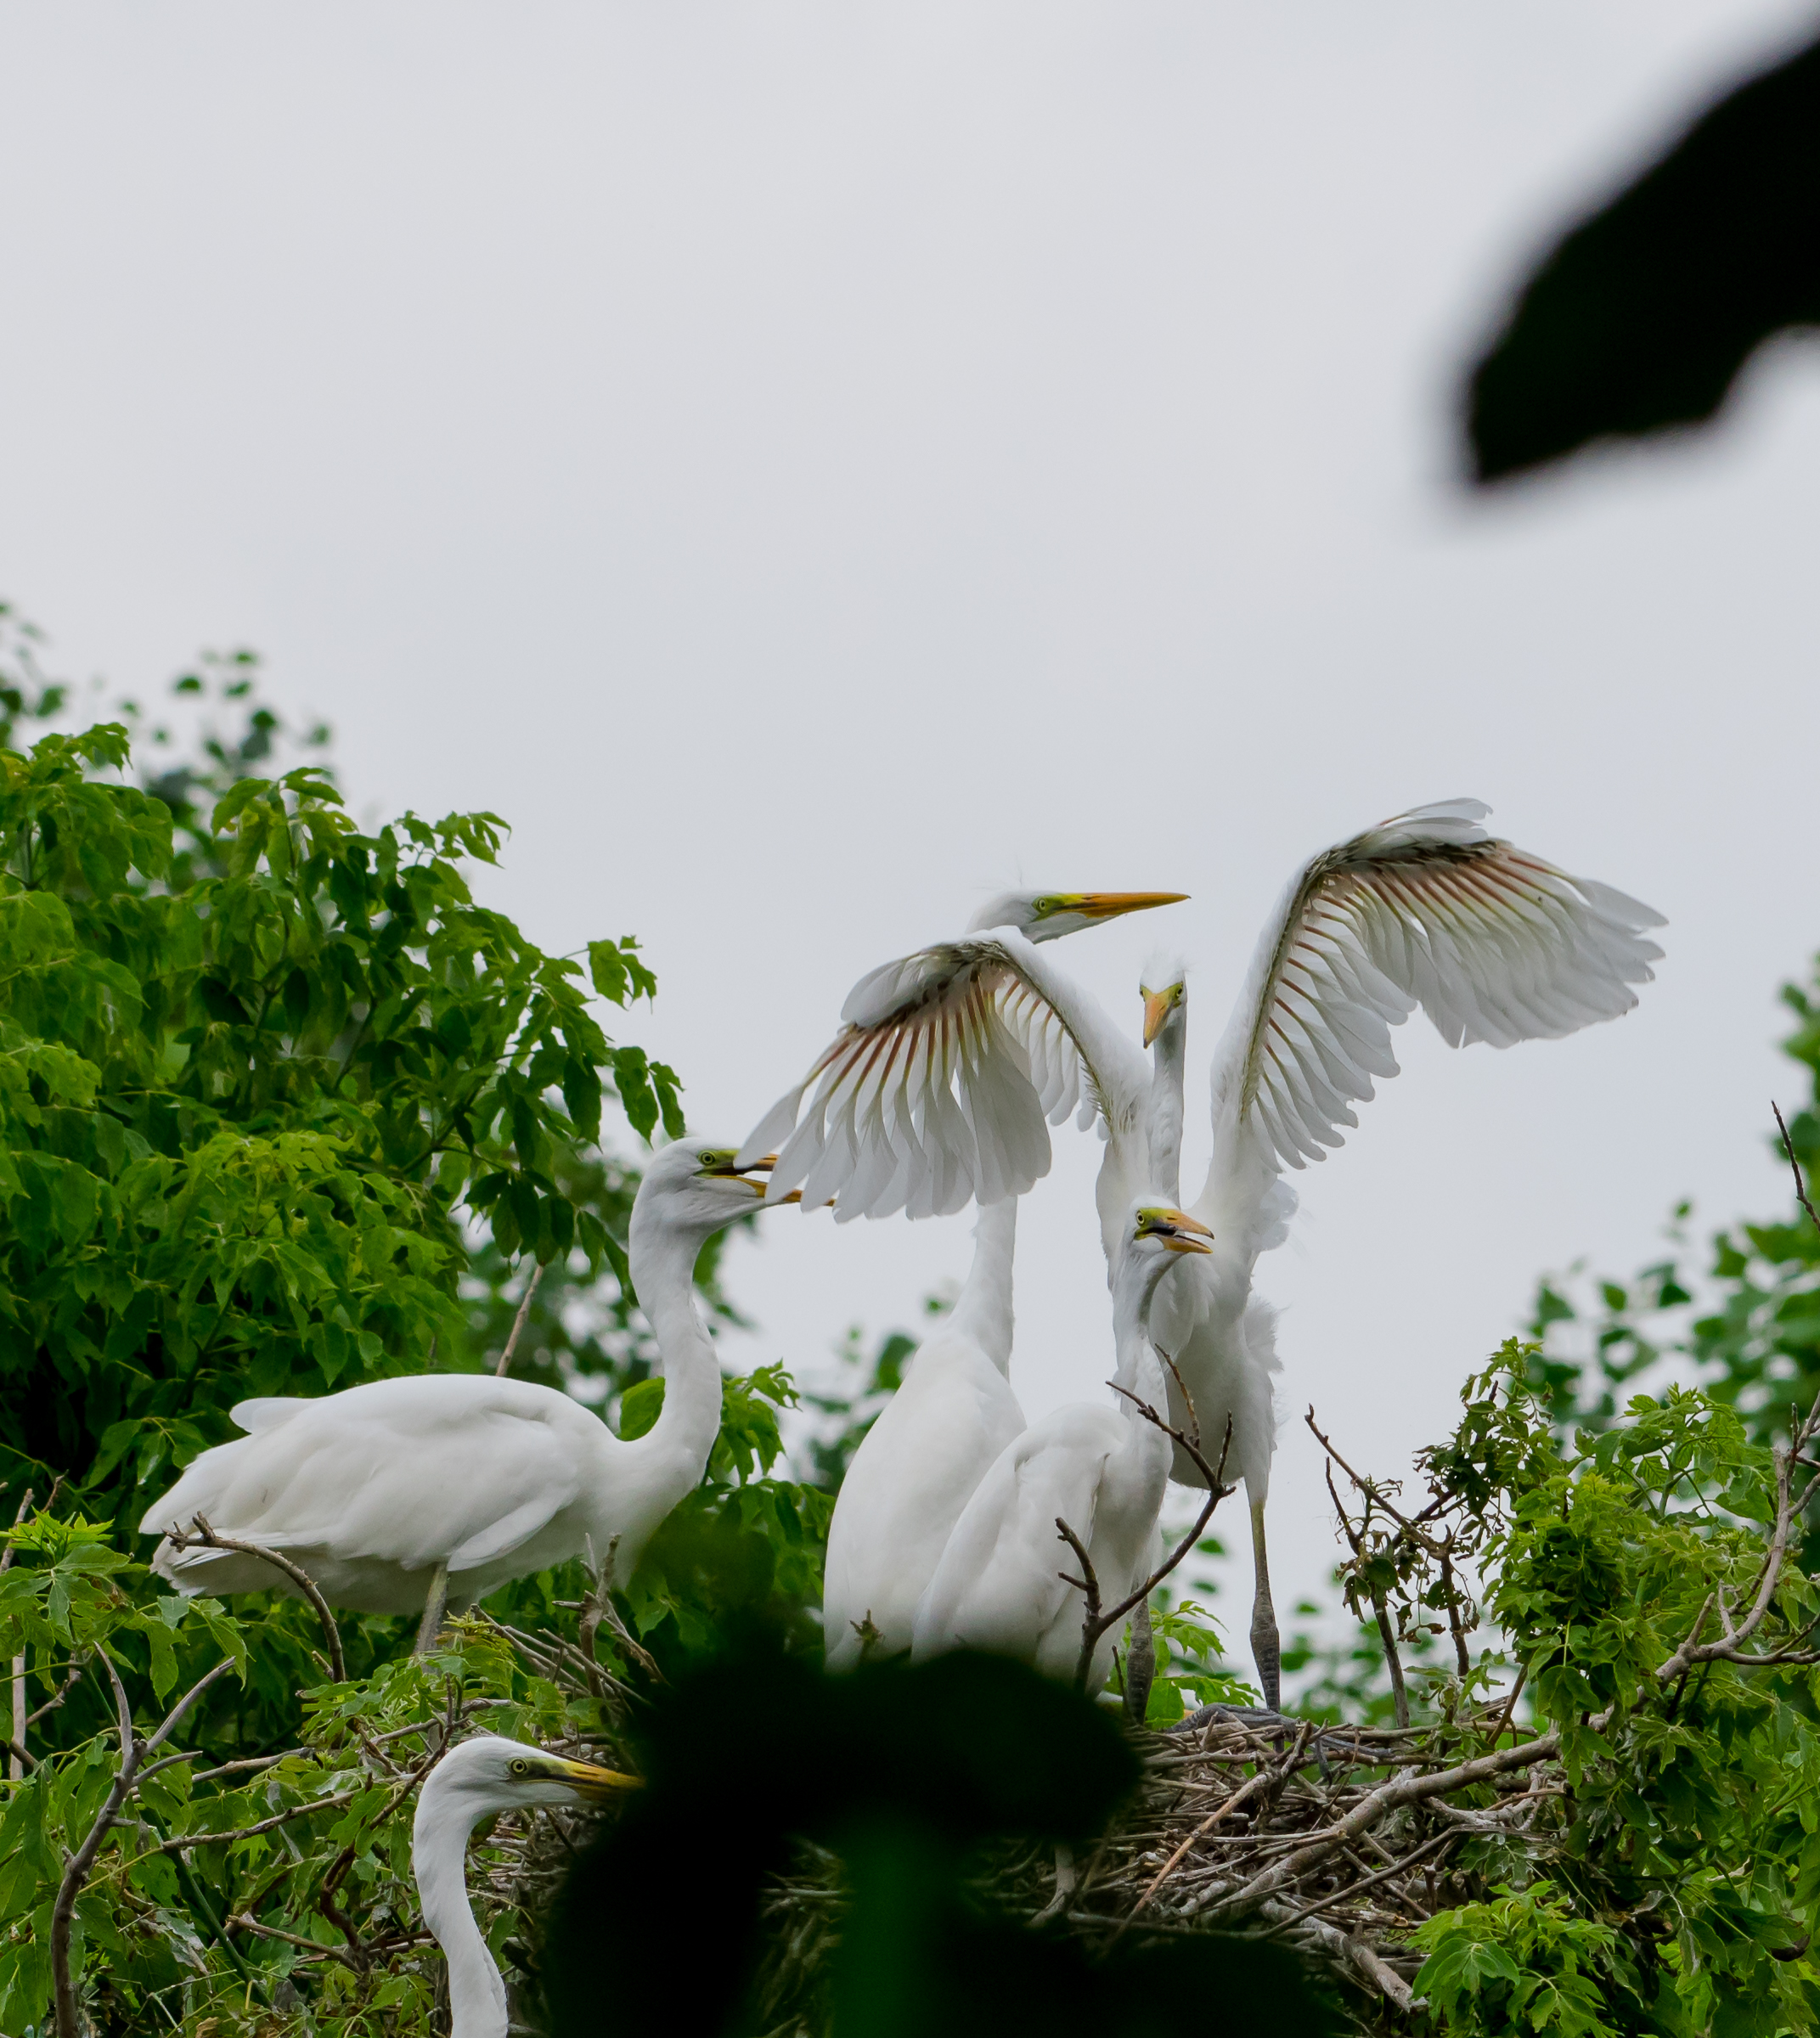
807,464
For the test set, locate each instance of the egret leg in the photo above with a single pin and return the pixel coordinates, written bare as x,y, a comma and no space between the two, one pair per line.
1266,1647
1140,1666
434,1605
1067,1880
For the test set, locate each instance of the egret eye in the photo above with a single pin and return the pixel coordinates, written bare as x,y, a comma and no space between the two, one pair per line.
1046,905
520,1766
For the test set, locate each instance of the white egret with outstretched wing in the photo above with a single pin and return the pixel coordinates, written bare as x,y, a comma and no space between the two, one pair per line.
1426,910
951,1065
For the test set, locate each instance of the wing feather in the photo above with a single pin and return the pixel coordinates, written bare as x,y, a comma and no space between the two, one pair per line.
1428,910
941,1088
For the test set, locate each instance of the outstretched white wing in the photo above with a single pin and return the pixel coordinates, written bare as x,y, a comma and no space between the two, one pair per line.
1426,910
937,1088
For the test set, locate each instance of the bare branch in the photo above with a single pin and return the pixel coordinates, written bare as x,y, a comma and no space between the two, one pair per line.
77,1864
1388,1798
1788,1147
204,1536
505,1366
1370,1487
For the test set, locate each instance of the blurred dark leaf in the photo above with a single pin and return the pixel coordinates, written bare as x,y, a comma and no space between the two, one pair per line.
904,1772
1642,318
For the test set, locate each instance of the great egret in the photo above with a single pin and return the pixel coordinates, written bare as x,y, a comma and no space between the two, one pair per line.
937,1087
999,1585
917,1465
385,1493
1425,909
480,1778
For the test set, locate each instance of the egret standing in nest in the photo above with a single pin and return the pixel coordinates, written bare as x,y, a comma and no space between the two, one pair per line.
938,1087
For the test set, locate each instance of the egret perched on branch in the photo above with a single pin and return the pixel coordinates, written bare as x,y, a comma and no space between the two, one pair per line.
937,1087
1001,1584
389,1494
918,1464
475,1780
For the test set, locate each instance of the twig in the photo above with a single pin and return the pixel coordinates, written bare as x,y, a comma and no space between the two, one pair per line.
19,1761
202,1533
1788,1147
1510,1707
1097,1622
326,1902
240,1923
184,1841
77,1665
518,1322
1393,1661
1369,1488
76,1865
1352,1889
1242,1795
1388,1798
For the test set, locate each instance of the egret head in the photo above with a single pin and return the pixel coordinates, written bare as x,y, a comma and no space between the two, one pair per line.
1157,1230
1164,986
699,1183
1048,916
490,1774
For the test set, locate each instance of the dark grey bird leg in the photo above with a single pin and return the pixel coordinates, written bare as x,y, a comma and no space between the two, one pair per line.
1266,1647
436,1604
1140,1666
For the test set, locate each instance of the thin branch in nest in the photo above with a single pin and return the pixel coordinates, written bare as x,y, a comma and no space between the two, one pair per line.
202,1536
1097,1621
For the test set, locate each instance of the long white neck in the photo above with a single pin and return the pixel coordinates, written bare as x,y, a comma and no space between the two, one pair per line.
1163,1114
439,1843
1138,1367
984,1311
663,1255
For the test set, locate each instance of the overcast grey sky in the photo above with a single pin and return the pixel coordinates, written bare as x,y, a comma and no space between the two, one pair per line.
807,464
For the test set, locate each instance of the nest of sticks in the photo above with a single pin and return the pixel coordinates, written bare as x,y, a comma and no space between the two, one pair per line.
1337,1840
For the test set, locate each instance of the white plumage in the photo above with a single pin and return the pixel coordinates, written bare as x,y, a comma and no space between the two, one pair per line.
1427,909
1001,1584
936,1090
371,1489
918,1465
482,1778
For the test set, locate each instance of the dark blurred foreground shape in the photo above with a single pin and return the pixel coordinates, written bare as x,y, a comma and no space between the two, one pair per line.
1640,319
905,1773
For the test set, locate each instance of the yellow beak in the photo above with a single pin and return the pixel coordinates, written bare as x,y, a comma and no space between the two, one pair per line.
1183,1234
1158,1006
597,1785
1109,905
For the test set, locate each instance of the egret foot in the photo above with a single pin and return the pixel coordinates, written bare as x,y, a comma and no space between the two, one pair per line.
1139,1667
1067,1880
434,1605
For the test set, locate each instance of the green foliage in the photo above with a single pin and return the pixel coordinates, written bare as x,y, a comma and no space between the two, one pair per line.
1748,1329
282,1109
1526,1962
250,1097
315,1836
